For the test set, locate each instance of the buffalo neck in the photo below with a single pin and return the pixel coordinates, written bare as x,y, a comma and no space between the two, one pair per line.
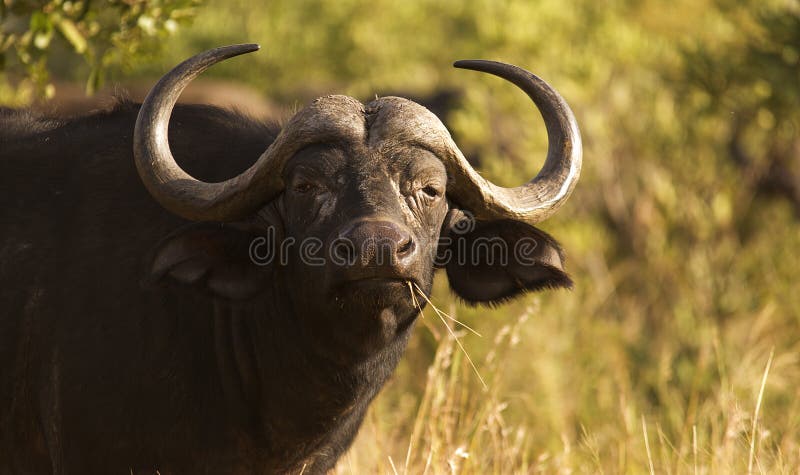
282,391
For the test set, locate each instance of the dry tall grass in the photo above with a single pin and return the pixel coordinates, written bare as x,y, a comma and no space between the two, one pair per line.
581,409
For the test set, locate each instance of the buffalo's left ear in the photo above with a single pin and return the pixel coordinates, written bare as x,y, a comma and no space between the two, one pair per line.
490,262
214,258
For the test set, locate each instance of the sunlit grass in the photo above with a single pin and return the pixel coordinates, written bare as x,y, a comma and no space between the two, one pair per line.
736,412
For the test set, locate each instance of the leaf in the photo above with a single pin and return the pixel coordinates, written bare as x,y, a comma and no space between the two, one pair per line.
40,22
72,34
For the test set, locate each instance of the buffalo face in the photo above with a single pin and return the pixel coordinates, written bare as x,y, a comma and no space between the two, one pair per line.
366,214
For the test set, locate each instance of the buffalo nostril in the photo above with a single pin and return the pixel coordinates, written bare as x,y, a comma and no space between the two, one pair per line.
405,247
373,243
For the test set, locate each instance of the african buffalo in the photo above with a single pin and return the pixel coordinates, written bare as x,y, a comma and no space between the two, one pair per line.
217,320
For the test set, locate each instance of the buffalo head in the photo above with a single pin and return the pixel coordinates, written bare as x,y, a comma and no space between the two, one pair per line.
365,201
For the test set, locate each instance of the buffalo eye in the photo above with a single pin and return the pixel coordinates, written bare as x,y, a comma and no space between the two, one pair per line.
429,194
431,191
304,187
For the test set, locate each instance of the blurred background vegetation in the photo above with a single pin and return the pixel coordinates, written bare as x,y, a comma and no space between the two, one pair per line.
678,351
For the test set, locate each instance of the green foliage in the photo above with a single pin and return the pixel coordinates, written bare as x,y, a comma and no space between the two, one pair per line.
35,35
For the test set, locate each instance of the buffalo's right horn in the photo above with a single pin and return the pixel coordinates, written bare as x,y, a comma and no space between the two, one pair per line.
538,199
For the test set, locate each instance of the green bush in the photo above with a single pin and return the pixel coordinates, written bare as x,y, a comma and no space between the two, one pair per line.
37,37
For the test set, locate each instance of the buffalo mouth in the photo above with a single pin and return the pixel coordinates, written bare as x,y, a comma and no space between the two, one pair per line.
377,283
378,291
380,278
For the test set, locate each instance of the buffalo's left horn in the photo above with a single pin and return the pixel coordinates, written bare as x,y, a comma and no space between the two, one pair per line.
172,187
539,198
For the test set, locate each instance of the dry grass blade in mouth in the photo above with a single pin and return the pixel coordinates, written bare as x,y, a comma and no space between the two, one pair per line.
431,328
414,297
439,313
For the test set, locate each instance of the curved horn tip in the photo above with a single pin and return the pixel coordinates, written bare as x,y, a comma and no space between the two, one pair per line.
243,48
472,63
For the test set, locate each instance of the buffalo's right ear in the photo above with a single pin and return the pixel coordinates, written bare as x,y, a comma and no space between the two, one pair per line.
493,261
216,258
